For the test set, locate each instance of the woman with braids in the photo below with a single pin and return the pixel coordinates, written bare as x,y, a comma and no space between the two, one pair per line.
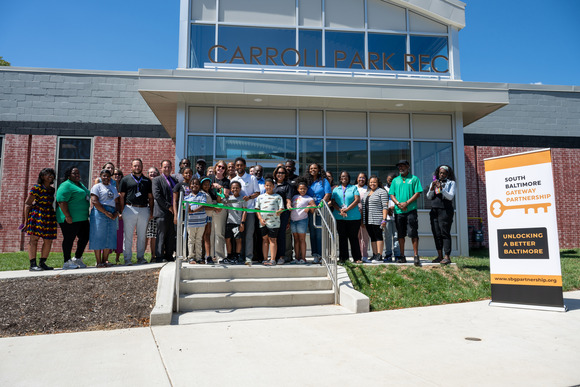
319,190
441,193
40,218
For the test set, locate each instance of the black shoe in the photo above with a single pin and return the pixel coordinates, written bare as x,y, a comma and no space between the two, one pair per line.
209,260
44,266
437,260
401,259
417,261
35,268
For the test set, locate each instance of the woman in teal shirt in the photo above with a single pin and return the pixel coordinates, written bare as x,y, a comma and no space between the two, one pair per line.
345,199
72,215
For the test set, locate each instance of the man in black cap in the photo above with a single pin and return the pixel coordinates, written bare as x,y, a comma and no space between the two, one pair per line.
405,190
200,168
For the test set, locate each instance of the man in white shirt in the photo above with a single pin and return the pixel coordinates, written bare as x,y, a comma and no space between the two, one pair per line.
250,191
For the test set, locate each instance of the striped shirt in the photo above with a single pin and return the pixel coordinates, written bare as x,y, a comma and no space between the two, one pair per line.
373,206
197,219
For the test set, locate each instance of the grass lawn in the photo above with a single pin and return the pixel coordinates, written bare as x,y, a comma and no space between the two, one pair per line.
395,287
19,260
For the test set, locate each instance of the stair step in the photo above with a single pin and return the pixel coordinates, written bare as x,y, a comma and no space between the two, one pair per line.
190,272
229,300
213,285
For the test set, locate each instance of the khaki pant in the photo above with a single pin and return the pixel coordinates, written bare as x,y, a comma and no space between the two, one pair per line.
194,242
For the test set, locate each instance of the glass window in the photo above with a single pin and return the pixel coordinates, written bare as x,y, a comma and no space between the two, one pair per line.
203,10
311,122
385,16
436,126
279,12
200,147
428,156
389,125
310,44
428,54
346,155
385,154
387,51
250,121
311,151
261,46
256,148
345,50
418,23
310,13
202,39
344,14
75,152
200,120
346,124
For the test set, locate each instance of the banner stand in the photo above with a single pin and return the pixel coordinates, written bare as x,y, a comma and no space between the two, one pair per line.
533,307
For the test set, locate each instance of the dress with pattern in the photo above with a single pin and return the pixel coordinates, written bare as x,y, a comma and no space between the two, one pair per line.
41,220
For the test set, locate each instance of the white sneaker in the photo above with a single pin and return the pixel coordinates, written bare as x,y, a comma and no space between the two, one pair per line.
301,262
70,265
79,262
317,260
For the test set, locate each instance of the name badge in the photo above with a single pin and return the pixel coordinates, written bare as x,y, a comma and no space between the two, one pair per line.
138,194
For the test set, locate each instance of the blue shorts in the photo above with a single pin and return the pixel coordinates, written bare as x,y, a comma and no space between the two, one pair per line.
299,226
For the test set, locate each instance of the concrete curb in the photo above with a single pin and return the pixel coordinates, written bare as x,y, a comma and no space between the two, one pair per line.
163,310
350,298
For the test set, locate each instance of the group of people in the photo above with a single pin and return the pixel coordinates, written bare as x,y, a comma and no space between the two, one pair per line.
234,217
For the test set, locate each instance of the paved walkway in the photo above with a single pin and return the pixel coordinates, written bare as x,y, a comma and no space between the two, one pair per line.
418,346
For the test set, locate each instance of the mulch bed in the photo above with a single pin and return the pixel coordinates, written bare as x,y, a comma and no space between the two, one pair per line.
80,302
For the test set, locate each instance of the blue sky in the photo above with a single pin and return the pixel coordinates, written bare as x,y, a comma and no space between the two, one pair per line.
515,41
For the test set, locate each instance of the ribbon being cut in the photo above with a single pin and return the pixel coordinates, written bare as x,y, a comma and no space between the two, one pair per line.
222,206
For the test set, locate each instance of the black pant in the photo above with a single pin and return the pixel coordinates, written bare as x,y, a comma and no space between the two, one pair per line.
72,231
348,232
166,239
284,219
441,220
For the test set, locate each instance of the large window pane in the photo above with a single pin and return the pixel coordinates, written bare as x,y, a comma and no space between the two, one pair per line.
200,147
74,149
387,52
311,151
84,168
279,12
310,47
202,39
204,10
310,12
385,16
429,54
346,155
256,148
345,14
256,121
384,156
261,46
428,156
345,50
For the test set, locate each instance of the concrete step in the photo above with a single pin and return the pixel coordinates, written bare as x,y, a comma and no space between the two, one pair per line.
248,314
191,272
229,300
254,285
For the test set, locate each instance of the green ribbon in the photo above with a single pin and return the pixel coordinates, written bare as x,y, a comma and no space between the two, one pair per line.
222,206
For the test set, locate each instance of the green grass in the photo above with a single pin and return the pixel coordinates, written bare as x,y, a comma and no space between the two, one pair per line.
395,287
19,260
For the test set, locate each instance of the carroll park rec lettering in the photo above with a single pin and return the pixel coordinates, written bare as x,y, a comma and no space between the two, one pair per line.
272,56
518,189
523,243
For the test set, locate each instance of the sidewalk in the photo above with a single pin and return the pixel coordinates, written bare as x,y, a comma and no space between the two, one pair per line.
418,346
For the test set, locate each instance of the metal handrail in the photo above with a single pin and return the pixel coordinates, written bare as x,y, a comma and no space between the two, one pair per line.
180,251
329,245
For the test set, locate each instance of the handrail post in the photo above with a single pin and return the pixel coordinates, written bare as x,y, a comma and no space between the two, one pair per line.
179,251
329,246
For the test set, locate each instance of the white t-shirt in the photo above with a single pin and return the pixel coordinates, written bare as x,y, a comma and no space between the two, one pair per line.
105,193
300,201
249,186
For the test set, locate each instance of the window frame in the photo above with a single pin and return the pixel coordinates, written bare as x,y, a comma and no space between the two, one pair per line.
58,159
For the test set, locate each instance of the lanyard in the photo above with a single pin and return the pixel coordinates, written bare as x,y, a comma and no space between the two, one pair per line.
138,182
168,181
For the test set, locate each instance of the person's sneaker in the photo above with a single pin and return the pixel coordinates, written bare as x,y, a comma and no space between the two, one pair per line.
301,262
209,260
366,260
79,262
416,261
437,260
128,262
281,261
35,268
141,261
377,258
401,259
44,266
317,260
70,265
248,262
388,259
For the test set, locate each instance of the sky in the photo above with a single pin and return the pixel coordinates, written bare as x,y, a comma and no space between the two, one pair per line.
507,41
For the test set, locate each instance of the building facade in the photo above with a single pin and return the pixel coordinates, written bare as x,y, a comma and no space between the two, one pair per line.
353,85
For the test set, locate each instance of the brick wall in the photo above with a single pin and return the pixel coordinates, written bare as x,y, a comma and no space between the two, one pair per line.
566,186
